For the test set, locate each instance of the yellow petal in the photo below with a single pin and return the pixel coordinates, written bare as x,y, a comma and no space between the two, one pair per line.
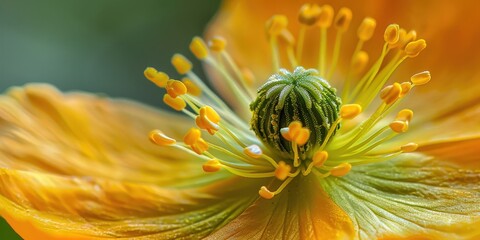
302,211
44,130
46,206
413,195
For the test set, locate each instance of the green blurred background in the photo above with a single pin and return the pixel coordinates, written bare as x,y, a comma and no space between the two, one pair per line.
95,46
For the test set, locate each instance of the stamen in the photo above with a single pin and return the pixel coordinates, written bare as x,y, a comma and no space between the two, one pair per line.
159,138
318,159
308,16
274,26
265,193
421,78
391,93
194,140
342,22
324,21
181,64
359,62
192,88
212,165
406,87
414,48
175,88
176,103
341,170
366,29
253,151
350,111
217,44
158,78
199,48
208,119
282,170
392,34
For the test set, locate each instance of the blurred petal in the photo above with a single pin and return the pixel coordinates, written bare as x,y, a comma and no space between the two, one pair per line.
77,134
46,206
302,211
410,196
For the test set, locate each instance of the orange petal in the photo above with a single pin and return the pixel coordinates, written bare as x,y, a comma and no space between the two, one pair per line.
44,130
461,152
46,206
302,211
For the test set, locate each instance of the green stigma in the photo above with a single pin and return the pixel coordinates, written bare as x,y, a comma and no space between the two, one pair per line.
301,95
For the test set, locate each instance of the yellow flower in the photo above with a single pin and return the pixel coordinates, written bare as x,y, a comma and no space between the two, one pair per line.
295,158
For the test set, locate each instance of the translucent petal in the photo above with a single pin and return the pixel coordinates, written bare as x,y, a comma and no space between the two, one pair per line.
410,196
301,211
46,206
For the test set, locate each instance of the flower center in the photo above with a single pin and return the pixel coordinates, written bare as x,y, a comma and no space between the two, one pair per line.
296,115
300,96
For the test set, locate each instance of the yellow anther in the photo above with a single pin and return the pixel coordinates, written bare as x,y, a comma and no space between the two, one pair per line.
319,158
199,48
192,88
409,147
326,16
212,165
217,44
289,132
253,151
175,88
350,111
282,170
248,76
391,93
302,137
406,87
200,146
192,136
265,193
359,62
414,48
366,29
296,133
208,119
392,34
150,73
421,78
404,115
341,170
309,14
411,36
399,126
343,19
159,78
176,103
210,113
159,138
181,64
402,37
276,24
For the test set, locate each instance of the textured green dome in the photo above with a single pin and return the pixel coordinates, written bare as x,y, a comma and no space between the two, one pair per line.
300,95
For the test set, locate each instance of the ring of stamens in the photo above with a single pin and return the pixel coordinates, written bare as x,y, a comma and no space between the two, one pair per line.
230,144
